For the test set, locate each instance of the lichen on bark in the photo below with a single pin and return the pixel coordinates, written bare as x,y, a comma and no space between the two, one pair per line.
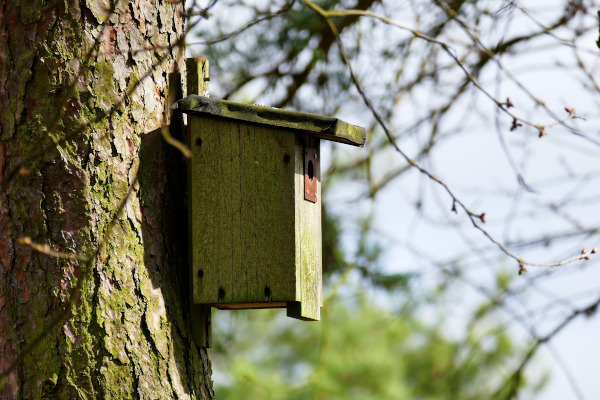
128,336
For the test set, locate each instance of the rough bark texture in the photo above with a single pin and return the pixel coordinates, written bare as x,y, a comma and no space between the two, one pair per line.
129,336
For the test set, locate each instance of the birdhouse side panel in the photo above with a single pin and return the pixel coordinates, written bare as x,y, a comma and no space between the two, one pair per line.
308,238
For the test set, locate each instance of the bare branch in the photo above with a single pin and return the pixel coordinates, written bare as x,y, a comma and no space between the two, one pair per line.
473,217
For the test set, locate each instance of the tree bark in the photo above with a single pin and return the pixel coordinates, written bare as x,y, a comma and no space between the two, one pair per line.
128,336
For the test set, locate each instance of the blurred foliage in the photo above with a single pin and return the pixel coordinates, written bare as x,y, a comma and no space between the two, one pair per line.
367,255
357,352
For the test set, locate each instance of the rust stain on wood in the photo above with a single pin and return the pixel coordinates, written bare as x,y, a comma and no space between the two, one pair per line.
311,166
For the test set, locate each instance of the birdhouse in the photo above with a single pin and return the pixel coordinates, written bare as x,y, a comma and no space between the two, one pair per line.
254,197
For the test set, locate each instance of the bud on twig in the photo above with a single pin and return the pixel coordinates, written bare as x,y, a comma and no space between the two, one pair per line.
515,124
542,130
522,270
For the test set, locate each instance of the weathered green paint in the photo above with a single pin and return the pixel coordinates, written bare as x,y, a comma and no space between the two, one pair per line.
274,196
311,124
197,75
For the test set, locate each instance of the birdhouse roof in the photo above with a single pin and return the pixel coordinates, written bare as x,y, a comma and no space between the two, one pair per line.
315,125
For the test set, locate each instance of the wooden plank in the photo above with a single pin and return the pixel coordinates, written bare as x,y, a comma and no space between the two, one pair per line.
197,75
205,205
308,243
266,208
201,324
269,243
276,196
251,306
315,125
200,315
298,194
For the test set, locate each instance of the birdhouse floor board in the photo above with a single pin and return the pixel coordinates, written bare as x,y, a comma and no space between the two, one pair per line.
249,306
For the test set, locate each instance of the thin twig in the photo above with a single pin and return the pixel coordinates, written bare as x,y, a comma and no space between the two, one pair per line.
247,26
473,217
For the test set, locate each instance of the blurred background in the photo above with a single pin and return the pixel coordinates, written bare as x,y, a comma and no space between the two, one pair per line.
497,103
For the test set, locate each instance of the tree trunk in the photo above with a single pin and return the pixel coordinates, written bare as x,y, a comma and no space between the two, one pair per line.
128,335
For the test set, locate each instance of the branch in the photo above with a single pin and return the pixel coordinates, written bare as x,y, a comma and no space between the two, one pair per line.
45,249
249,25
473,217
515,379
491,55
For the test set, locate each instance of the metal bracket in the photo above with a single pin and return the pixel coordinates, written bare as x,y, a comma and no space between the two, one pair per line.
311,168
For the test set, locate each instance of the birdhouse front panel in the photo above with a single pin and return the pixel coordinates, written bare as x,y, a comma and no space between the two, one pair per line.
256,240
255,204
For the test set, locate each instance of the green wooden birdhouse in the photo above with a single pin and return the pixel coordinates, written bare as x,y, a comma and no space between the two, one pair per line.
255,204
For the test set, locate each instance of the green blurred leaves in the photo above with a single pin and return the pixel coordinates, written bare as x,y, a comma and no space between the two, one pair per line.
359,352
